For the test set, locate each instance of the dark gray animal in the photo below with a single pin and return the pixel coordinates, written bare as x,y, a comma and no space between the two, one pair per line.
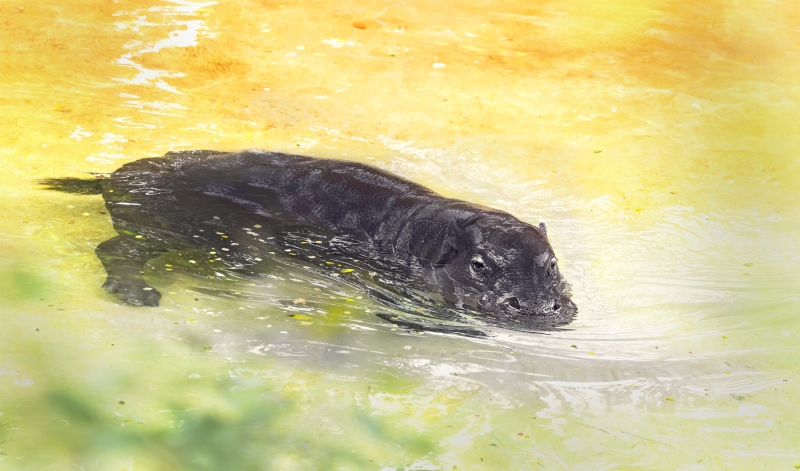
243,205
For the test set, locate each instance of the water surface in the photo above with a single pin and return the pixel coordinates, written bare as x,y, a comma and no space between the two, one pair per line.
658,140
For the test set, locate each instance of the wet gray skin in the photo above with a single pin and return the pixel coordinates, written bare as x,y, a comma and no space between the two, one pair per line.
477,258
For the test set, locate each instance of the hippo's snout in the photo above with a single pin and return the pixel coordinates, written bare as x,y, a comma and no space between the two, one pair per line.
558,306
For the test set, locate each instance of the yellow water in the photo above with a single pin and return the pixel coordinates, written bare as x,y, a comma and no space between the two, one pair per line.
658,139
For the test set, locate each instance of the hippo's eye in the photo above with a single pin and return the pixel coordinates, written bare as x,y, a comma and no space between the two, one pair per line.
479,268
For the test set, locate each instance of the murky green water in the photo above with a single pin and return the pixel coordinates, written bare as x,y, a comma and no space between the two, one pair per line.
659,140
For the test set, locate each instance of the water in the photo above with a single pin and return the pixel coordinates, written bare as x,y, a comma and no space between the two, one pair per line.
658,141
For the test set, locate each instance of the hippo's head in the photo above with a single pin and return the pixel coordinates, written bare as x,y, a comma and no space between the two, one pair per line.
507,269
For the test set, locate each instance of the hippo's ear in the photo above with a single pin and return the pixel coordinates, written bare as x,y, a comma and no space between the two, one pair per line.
447,255
543,229
447,250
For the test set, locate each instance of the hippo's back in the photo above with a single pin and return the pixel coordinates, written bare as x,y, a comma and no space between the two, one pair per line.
203,161
336,194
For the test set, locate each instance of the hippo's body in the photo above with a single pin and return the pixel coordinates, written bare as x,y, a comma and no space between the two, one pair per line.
245,205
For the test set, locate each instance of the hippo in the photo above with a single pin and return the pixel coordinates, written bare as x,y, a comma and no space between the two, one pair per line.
393,232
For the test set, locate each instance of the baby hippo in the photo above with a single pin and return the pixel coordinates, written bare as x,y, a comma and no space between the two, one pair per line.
475,257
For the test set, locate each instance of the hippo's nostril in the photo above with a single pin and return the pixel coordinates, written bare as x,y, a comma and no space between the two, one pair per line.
514,303
556,307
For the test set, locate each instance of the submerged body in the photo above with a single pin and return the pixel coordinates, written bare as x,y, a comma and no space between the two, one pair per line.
243,205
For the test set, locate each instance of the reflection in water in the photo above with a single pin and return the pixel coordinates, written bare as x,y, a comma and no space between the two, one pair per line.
657,141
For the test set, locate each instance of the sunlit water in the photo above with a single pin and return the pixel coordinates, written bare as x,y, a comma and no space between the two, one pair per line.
658,140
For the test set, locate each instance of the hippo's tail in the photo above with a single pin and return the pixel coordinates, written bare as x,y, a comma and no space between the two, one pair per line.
77,186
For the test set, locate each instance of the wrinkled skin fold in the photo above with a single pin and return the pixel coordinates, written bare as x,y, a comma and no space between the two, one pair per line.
244,205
